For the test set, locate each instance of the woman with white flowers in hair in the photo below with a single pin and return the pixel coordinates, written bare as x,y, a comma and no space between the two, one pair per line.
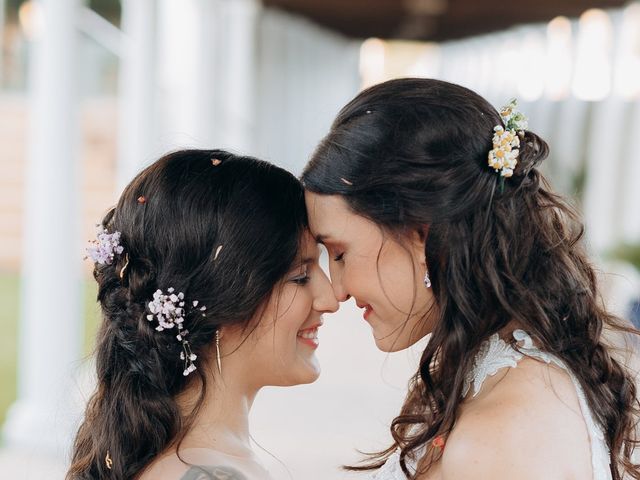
438,222
210,289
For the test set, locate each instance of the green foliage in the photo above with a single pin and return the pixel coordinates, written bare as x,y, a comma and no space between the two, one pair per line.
629,253
9,316
9,289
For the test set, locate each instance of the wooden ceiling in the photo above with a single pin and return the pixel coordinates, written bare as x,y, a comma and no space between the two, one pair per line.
432,19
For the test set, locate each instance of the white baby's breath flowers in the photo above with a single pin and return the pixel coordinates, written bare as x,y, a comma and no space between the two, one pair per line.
168,309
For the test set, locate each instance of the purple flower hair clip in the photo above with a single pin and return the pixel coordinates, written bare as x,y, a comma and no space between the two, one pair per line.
105,247
168,310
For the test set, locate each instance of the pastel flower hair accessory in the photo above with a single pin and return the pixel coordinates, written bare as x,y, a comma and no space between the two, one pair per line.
169,311
503,158
105,247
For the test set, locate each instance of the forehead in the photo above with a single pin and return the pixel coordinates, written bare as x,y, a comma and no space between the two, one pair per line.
308,251
331,218
317,202
308,245
325,211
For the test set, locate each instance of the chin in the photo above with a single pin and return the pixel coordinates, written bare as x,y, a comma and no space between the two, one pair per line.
301,376
389,345
309,379
309,371
311,374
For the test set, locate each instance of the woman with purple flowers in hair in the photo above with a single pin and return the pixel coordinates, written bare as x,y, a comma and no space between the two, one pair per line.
210,289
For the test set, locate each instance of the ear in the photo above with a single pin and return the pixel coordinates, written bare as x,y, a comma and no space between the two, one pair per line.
417,241
423,231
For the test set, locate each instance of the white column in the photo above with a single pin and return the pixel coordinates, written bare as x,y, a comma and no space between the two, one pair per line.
305,75
189,73
609,130
2,20
50,324
137,112
237,49
271,99
543,121
207,70
630,168
626,73
601,191
206,73
178,40
569,143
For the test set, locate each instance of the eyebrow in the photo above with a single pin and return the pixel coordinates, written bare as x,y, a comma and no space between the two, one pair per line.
321,238
303,262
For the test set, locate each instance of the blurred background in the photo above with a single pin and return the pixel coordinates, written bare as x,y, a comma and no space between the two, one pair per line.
92,91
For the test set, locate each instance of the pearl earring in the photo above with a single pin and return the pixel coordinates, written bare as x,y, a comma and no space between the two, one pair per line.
427,280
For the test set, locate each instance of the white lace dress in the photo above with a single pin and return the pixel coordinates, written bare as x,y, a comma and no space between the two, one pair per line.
495,354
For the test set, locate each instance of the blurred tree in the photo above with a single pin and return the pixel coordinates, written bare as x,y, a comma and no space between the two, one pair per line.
628,253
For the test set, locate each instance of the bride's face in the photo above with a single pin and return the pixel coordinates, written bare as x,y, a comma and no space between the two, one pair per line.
383,275
280,350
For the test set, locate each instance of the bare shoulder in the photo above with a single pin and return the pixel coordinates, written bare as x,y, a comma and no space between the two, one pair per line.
525,423
221,472
194,472
202,465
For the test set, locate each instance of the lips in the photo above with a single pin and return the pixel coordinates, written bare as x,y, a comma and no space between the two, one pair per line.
309,336
367,309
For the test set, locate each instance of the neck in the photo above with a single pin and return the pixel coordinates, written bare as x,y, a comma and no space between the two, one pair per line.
509,328
222,423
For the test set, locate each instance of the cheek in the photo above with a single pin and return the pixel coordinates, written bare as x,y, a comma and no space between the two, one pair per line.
398,277
292,313
359,276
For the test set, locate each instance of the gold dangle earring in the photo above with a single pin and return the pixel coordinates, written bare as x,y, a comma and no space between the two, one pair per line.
218,351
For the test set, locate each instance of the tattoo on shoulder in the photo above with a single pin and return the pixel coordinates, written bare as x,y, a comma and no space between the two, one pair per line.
198,472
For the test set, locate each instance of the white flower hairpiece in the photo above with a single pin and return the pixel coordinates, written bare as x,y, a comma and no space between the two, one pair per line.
104,248
503,157
168,310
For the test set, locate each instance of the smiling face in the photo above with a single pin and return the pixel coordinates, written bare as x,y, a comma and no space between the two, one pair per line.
383,275
280,350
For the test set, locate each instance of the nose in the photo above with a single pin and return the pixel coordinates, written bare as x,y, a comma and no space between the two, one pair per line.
340,293
324,299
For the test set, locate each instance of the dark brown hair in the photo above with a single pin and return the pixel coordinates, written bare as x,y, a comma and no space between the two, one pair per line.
194,201
414,153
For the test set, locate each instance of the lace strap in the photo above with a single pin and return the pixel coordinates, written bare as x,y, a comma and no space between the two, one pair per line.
494,354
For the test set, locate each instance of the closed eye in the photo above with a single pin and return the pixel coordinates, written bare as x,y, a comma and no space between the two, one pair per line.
302,280
338,257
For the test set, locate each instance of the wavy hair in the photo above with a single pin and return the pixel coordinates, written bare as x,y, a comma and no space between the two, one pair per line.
255,210
414,152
